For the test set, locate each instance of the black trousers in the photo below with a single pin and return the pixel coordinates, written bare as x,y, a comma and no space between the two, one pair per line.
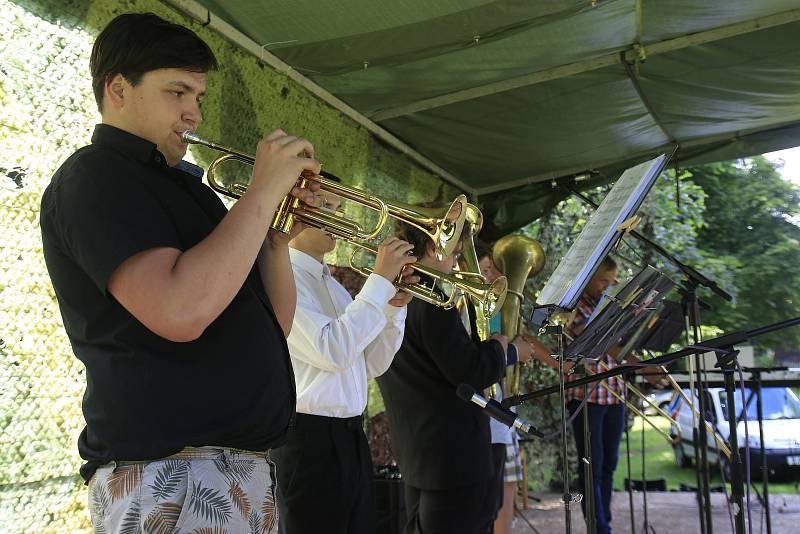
325,478
496,483
606,426
448,511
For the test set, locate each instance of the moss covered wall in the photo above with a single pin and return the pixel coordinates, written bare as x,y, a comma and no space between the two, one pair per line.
46,112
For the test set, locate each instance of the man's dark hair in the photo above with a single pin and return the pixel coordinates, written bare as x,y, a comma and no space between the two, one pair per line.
482,248
135,43
414,236
419,239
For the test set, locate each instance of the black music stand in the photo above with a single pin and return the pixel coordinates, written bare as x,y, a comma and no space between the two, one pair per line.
563,289
658,332
619,316
726,360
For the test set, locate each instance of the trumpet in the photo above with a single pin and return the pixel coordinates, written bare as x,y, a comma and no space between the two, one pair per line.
489,297
443,226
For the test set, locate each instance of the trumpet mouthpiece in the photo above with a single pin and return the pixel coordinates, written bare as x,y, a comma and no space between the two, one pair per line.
189,136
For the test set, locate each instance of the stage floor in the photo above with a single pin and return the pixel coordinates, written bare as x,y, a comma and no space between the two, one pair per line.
667,512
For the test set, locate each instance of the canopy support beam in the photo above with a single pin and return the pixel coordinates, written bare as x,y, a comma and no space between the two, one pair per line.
647,104
660,47
195,11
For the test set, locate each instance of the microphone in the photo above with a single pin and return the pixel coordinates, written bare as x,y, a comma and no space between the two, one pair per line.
495,410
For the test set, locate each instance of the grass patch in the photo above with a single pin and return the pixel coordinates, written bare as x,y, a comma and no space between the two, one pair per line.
660,461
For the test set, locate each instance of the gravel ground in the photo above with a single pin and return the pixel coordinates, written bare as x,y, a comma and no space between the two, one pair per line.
668,512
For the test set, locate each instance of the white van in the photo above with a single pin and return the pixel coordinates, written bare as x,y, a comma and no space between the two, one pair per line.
781,409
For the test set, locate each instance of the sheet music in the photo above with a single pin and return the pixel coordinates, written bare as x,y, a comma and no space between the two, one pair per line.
573,272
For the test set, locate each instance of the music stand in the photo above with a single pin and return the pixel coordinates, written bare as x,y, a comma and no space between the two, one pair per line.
601,232
657,333
619,315
562,290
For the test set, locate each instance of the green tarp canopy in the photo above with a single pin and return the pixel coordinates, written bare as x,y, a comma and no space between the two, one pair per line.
509,96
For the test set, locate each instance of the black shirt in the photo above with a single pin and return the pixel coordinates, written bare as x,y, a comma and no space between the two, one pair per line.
439,440
147,397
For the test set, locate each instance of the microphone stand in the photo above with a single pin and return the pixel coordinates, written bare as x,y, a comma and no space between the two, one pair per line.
588,470
628,458
691,310
568,497
726,360
646,526
691,306
756,374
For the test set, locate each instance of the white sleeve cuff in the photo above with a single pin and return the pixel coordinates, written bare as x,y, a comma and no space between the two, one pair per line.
396,314
377,290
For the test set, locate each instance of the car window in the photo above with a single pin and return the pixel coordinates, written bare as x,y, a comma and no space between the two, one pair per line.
778,403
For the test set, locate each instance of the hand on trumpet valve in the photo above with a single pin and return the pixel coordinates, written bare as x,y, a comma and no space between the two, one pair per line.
280,161
402,298
393,257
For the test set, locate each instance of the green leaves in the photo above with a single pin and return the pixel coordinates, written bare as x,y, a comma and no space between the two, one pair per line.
168,478
210,504
750,229
163,518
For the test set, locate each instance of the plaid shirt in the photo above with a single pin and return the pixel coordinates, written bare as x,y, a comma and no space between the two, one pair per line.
602,392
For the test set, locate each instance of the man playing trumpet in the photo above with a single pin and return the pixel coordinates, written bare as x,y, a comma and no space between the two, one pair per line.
442,444
177,307
337,343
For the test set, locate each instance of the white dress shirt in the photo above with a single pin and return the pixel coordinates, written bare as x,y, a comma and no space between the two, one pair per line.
338,343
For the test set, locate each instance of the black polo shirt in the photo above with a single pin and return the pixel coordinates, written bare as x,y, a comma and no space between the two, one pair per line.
147,397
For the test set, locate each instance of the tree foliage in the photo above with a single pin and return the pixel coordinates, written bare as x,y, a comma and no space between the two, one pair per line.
751,216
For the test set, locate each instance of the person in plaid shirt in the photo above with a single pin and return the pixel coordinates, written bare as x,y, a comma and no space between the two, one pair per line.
605,277
606,411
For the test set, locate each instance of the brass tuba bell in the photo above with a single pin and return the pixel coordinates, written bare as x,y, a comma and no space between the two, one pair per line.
518,257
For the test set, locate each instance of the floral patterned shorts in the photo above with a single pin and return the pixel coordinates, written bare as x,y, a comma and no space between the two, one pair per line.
206,490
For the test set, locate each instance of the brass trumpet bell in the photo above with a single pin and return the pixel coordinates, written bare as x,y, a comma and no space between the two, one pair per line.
490,297
291,209
474,222
442,225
